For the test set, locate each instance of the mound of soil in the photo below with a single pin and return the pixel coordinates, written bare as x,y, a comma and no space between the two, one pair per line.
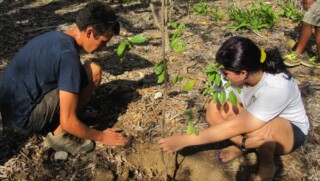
130,99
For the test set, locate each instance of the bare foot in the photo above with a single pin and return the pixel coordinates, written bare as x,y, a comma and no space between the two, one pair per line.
265,173
227,154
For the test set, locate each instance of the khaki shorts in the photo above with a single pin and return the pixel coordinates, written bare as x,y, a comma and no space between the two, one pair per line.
312,16
45,117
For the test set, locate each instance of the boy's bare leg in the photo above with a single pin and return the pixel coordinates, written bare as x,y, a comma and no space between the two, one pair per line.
305,34
317,35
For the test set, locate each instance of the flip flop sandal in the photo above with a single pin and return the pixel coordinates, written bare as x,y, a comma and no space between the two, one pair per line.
218,152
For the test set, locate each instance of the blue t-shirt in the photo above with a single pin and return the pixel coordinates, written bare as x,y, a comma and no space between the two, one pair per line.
47,62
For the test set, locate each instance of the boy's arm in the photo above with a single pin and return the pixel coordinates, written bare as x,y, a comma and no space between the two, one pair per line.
70,123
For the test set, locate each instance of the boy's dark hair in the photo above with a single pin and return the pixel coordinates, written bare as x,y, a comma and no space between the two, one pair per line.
100,16
239,53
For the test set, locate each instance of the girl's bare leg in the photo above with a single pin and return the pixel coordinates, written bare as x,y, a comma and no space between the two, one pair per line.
280,142
216,114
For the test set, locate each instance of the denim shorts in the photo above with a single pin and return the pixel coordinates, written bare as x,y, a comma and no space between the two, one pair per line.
298,137
312,16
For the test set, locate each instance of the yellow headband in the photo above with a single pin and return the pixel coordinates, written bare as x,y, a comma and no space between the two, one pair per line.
263,55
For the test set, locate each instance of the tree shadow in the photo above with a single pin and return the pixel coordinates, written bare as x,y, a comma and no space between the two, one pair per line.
248,170
112,99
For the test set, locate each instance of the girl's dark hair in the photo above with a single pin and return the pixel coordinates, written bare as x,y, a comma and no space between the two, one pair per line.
239,53
101,17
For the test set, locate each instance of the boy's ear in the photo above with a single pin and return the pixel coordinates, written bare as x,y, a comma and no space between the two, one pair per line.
89,31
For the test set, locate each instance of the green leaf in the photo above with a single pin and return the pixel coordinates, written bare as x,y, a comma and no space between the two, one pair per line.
238,90
173,24
228,84
233,98
160,78
222,97
138,39
180,48
121,48
174,43
205,91
214,97
189,129
158,68
177,79
218,79
196,131
189,85
209,70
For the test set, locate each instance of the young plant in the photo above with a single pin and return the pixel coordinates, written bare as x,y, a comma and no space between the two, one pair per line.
192,127
159,70
290,11
255,18
216,88
201,8
128,44
175,39
216,15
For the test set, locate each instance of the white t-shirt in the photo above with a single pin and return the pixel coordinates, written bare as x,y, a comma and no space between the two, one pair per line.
275,96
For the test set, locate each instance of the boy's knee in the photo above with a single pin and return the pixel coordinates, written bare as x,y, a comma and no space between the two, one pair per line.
94,72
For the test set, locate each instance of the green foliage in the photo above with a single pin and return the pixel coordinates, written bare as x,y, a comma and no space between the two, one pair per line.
189,85
128,44
290,11
192,128
215,86
216,15
177,79
159,70
259,16
175,40
201,8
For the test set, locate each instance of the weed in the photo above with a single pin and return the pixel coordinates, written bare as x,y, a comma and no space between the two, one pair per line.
290,11
255,18
216,15
201,8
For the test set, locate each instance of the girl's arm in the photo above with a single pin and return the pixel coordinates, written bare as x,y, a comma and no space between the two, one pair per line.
244,122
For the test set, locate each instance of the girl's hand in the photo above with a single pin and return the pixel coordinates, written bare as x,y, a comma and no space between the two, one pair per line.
257,141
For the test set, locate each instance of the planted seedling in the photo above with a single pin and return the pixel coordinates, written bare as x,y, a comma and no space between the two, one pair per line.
216,88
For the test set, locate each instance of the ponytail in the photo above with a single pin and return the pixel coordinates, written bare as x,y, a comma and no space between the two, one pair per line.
274,63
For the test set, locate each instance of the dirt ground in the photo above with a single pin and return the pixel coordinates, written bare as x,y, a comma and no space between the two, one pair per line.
127,99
